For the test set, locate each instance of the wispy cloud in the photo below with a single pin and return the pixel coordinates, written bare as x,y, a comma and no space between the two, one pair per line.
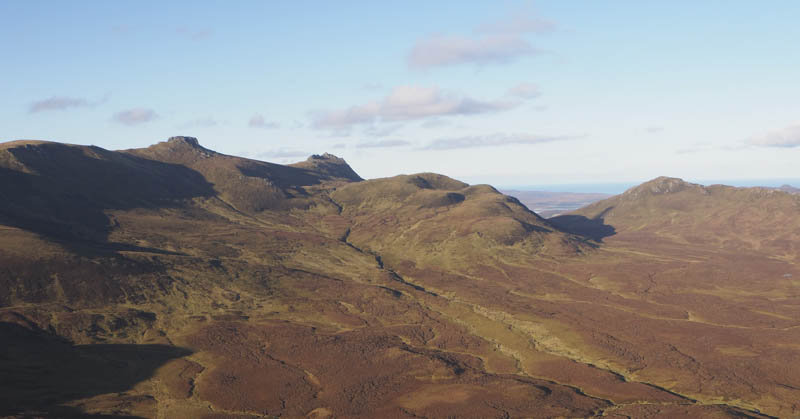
258,121
383,144
498,42
786,137
135,116
492,140
58,103
406,103
525,91
195,34
444,50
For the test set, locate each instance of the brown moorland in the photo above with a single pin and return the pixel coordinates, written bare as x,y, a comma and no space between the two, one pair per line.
174,281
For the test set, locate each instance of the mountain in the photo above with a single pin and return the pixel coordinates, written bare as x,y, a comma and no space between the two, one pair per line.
174,281
670,210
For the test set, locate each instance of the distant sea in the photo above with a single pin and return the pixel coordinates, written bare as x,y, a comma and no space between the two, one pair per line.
617,188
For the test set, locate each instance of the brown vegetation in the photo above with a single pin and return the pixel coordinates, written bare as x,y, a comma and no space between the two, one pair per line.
174,281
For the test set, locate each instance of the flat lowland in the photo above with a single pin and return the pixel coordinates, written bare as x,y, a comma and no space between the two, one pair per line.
549,204
174,281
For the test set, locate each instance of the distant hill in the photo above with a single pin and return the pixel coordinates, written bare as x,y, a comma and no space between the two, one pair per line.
789,188
670,209
548,204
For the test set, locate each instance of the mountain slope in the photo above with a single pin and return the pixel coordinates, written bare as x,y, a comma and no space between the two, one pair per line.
442,221
180,246
218,286
251,185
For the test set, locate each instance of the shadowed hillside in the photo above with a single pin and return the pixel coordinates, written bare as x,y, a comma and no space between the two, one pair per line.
42,373
62,191
251,185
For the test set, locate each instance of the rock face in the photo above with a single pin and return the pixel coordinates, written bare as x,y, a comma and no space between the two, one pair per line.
330,165
174,281
190,141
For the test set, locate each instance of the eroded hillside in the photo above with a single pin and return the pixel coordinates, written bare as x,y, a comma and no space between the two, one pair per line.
188,283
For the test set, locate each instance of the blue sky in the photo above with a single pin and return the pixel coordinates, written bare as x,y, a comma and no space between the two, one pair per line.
508,93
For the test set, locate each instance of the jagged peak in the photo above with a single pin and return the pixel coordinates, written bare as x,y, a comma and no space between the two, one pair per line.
326,156
180,139
180,148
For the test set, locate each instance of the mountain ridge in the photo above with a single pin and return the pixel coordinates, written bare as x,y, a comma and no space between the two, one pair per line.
303,290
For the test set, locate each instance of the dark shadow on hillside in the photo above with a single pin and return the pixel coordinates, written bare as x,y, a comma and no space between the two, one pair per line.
300,174
70,188
590,228
284,177
41,372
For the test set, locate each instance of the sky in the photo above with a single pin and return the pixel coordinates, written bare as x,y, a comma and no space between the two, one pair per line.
503,92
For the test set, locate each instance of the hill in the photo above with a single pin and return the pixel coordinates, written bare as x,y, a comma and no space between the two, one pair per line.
716,216
174,281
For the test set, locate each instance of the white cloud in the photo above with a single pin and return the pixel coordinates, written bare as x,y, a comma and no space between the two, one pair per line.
408,103
135,116
498,42
383,144
786,137
492,140
439,51
525,91
258,121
